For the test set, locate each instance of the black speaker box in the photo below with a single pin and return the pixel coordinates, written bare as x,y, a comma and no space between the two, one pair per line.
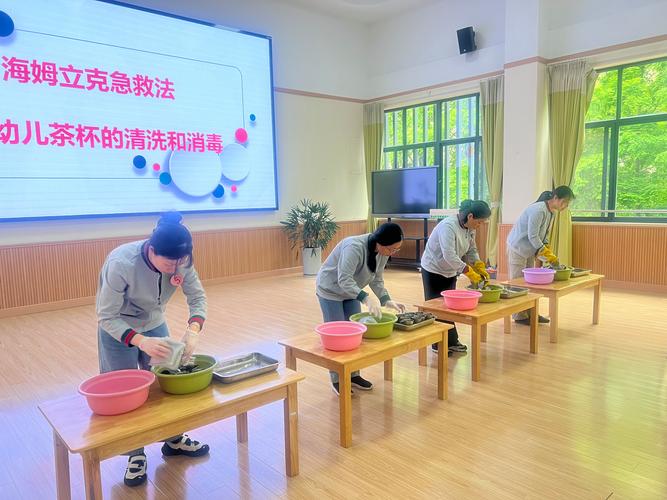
466,40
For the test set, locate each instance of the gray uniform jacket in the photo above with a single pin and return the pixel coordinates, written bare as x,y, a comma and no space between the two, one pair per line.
449,248
530,233
345,273
132,294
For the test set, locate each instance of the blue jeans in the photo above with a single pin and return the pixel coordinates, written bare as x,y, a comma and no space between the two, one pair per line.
115,355
339,310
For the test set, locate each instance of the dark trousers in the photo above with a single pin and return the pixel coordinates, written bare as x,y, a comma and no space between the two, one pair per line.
433,285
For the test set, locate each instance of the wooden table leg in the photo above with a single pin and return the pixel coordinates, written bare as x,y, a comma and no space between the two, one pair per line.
389,370
91,475
63,488
291,421
422,356
483,332
290,358
534,318
242,427
443,346
553,316
597,292
345,401
476,334
508,324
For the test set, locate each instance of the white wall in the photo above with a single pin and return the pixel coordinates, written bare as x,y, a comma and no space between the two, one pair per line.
420,48
319,141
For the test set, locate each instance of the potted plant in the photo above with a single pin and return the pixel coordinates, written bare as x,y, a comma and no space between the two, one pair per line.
310,226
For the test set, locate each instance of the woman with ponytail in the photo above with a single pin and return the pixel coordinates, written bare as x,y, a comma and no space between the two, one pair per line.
451,251
357,262
136,282
529,237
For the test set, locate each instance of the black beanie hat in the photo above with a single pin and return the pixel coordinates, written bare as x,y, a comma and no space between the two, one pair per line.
170,238
388,234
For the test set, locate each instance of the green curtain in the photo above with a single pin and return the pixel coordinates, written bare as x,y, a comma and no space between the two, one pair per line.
570,91
493,115
373,134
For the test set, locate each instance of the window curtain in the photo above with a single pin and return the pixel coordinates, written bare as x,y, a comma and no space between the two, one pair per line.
493,115
373,133
570,91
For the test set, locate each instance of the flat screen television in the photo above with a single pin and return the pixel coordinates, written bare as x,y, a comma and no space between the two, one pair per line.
405,191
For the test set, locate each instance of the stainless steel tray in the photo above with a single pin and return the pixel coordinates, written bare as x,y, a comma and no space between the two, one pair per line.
576,272
409,328
241,367
509,291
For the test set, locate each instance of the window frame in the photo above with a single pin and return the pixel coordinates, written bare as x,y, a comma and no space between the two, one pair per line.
439,144
612,130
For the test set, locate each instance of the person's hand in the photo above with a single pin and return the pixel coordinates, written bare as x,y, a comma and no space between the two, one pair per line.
548,255
472,276
191,340
397,306
480,267
373,305
155,347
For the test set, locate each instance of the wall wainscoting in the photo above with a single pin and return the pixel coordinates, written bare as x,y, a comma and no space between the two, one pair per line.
47,276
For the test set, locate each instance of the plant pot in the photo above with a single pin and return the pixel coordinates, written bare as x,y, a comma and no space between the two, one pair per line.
312,260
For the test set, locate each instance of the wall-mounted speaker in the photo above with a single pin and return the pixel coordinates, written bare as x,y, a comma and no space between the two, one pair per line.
466,40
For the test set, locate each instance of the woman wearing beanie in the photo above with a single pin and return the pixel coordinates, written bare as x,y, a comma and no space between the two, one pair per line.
356,262
450,251
136,282
529,237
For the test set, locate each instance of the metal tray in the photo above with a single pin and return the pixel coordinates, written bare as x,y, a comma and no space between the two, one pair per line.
242,367
409,328
576,272
509,291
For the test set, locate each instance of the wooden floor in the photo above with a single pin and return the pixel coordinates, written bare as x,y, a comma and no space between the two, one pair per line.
585,418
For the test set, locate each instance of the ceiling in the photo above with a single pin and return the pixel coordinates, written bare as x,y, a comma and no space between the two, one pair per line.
363,11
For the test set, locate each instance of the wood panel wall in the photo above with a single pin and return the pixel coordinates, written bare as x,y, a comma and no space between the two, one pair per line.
51,275
629,255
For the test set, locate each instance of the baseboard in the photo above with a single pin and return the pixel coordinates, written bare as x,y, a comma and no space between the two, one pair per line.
84,301
640,287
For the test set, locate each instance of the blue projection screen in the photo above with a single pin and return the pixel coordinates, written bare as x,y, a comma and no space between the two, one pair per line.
107,109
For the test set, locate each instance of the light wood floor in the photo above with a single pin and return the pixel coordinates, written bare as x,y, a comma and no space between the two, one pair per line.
585,418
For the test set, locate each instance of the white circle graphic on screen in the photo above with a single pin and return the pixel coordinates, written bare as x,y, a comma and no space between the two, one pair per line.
196,174
234,161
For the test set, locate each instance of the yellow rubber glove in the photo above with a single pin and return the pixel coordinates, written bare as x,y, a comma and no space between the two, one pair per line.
548,255
472,275
480,267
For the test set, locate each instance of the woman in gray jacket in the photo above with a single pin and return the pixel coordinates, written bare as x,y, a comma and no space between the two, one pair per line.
136,282
356,262
529,237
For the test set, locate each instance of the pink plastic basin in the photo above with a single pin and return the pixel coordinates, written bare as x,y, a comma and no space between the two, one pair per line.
113,393
538,275
461,300
341,335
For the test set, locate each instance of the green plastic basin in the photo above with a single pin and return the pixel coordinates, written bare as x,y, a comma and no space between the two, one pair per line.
379,330
490,294
188,382
563,274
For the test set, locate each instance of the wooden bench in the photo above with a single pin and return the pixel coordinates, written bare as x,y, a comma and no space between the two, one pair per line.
557,289
371,351
77,430
479,317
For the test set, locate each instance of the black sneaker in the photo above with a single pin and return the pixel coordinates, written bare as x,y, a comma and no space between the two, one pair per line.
458,347
336,389
542,319
362,383
434,348
184,446
526,321
135,474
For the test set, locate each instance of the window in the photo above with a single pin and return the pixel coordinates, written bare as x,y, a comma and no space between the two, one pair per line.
622,173
444,133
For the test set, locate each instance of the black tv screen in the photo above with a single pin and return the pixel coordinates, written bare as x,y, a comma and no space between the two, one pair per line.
405,191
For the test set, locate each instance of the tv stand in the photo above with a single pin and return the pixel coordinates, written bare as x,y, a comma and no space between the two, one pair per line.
416,262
